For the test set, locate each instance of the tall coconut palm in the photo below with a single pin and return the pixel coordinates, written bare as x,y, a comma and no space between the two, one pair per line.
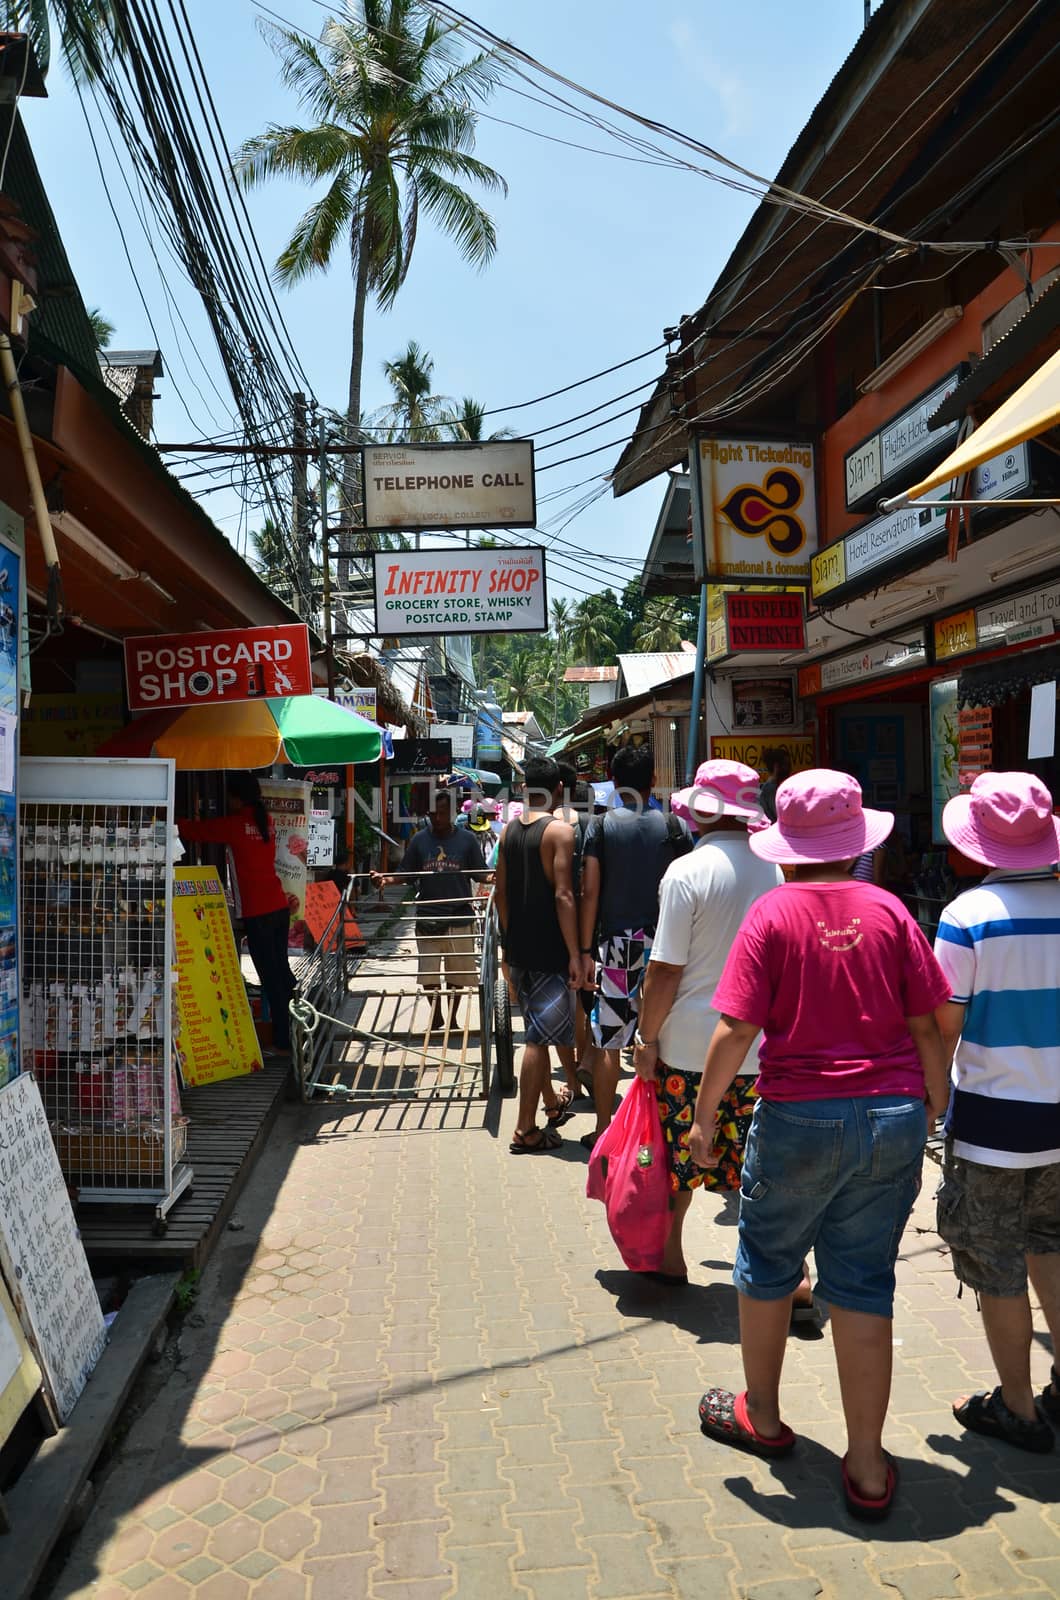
661,627
590,636
560,620
394,130
80,25
415,415
525,684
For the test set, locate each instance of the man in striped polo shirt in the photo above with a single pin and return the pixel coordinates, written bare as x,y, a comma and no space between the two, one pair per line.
999,1203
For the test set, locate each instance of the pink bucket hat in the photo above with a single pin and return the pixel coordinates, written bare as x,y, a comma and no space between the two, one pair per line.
820,818
721,789
1005,820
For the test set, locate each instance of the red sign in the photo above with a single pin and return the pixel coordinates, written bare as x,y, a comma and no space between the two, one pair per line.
765,622
202,669
809,680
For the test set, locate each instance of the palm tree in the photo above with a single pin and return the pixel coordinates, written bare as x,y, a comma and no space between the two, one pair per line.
393,133
589,635
661,627
561,619
80,24
415,415
102,330
525,684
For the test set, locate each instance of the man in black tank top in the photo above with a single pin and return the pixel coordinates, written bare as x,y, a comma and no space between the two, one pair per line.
539,937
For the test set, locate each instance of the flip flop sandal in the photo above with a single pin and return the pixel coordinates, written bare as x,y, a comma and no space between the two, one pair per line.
526,1144
988,1414
863,1507
561,1112
672,1280
584,1076
1049,1399
723,1416
804,1315
588,1140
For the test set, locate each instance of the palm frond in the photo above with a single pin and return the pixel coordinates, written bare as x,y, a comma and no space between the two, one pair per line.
310,247
460,216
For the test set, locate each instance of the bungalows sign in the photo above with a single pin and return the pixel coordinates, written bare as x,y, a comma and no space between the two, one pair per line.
419,592
202,669
450,486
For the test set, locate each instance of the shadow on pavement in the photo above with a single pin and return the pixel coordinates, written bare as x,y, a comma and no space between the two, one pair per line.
708,1311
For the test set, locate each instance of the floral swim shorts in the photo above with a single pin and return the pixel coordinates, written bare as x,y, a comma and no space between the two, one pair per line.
676,1094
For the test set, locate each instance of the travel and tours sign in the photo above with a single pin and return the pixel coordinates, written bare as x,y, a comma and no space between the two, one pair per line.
759,510
419,592
450,486
201,669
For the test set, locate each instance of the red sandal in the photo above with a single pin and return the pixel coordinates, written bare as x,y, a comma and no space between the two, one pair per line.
860,1505
724,1416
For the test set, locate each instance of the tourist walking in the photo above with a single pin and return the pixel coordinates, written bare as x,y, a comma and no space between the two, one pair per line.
535,904
777,763
442,861
703,899
626,852
999,1203
844,987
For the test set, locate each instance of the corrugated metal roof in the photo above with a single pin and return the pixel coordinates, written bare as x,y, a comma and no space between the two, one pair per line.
590,675
133,358
643,672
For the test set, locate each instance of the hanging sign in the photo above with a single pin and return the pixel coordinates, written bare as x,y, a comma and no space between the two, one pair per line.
879,660
450,485
1019,619
419,760
768,622
461,736
214,1033
419,592
288,806
41,1252
363,701
759,510
884,455
201,669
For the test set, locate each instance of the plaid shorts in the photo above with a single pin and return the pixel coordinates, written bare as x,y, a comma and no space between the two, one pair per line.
676,1093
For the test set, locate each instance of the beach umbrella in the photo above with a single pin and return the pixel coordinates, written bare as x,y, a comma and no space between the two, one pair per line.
302,730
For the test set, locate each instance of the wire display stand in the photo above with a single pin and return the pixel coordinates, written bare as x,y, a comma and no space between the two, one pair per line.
385,1035
97,860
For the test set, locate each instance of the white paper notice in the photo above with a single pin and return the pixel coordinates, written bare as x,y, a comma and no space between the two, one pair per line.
8,739
1042,739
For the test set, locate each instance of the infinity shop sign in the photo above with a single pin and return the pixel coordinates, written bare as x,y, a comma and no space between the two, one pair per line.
450,486
420,592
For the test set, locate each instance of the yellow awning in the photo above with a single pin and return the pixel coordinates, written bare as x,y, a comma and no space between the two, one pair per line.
1033,408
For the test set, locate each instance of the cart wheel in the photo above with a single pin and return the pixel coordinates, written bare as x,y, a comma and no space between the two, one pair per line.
160,1227
502,1035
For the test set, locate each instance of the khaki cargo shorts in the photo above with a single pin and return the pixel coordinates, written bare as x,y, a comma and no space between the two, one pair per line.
993,1217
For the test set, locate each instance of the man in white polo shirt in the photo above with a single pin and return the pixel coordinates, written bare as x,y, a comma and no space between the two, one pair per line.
999,1203
703,898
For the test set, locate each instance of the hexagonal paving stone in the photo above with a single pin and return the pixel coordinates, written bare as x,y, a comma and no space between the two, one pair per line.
139,1576
179,1543
256,1565
265,1510
199,1570
235,1539
287,1535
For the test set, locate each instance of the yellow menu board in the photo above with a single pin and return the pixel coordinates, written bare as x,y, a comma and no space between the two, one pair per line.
214,1030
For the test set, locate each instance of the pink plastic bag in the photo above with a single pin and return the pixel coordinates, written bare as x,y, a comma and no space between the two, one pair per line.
636,1186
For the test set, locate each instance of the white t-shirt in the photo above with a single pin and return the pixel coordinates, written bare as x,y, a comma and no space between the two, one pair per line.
703,898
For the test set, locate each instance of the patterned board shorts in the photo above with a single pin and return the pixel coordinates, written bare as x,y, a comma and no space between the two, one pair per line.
676,1093
546,1001
619,975
992,1217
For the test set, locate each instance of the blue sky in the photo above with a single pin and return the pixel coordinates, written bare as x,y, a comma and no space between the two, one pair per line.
596,255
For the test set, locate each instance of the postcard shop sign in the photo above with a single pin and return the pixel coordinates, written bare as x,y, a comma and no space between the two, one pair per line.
201,669
419,592
450,486
759,510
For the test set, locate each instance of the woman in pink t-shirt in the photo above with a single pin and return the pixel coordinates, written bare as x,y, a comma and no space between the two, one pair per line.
844,986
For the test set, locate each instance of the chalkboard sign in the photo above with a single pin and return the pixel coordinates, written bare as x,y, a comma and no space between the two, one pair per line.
416,760
41,1251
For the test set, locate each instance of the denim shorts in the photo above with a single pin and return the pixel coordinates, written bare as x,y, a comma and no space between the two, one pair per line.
838,1177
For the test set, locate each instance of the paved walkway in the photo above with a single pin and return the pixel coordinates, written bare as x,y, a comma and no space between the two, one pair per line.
422,1373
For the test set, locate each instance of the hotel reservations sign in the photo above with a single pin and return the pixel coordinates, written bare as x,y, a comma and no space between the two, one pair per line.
759,510
201,669
450,486
420,592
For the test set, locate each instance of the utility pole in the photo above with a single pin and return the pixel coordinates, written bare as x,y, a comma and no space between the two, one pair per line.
302,574
325,552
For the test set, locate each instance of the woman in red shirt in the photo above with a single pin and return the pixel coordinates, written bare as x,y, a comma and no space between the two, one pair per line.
249,833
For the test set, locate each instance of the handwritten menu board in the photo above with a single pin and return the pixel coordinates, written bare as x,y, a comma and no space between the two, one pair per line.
975,736
214,1032
41,1253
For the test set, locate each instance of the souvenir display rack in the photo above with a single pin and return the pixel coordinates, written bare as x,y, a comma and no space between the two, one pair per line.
97,856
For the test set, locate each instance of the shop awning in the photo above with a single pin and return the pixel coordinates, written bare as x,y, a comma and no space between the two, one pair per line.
1034,408
995,682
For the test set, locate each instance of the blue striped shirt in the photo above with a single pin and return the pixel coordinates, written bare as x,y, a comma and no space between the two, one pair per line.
999,946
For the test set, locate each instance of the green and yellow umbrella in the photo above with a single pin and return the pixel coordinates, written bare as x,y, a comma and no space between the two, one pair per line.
303,731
